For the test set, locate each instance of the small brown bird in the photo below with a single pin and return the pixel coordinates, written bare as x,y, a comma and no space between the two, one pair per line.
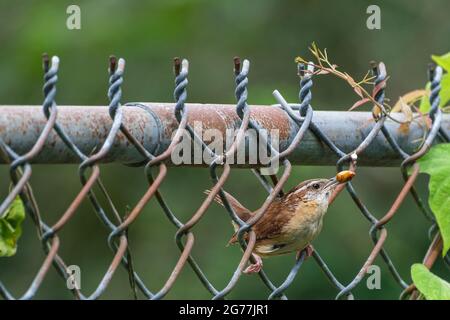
292,221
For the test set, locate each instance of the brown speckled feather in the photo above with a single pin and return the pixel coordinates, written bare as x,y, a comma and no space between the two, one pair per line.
271,223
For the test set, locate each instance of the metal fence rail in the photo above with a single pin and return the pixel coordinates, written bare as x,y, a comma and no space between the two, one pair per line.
153,125
146,134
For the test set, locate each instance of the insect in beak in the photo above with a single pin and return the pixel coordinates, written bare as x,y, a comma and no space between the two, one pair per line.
341,177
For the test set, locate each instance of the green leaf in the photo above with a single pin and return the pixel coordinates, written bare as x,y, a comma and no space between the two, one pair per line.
11,228
430,285
445,90
444,94
424,106
443,61
436,164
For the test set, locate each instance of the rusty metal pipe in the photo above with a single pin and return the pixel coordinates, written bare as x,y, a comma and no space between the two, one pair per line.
153,124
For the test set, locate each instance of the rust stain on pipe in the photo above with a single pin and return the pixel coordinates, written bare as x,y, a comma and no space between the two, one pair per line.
154,125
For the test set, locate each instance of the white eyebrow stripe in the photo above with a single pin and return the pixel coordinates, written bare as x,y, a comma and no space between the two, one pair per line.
301,189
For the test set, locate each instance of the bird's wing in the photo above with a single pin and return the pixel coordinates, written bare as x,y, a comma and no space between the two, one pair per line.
279,213
277,216
270,225
272,222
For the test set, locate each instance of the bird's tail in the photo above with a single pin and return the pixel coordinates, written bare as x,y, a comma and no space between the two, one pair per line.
217,198
242,212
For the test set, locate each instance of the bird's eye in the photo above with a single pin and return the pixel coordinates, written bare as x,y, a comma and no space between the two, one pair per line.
316,186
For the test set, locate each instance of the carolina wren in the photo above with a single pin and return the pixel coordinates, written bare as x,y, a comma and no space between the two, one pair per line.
291,221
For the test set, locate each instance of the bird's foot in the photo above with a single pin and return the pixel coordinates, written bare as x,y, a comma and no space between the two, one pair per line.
255,267
309,249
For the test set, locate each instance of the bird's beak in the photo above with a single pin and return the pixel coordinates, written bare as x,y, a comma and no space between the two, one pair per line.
340,178
332,182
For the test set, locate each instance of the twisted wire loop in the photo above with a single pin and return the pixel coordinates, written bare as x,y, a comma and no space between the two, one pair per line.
20,172
181,70
180,95
435,75
304,121
86,191
90,161
378,94
242,110
120,232
217,187
435,114
118,225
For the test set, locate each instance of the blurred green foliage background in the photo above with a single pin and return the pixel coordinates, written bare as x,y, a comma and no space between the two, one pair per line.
209,33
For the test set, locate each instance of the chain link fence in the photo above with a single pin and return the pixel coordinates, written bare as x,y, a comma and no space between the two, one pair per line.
156,168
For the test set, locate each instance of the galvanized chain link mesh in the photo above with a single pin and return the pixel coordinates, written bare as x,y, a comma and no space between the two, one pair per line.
156,170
